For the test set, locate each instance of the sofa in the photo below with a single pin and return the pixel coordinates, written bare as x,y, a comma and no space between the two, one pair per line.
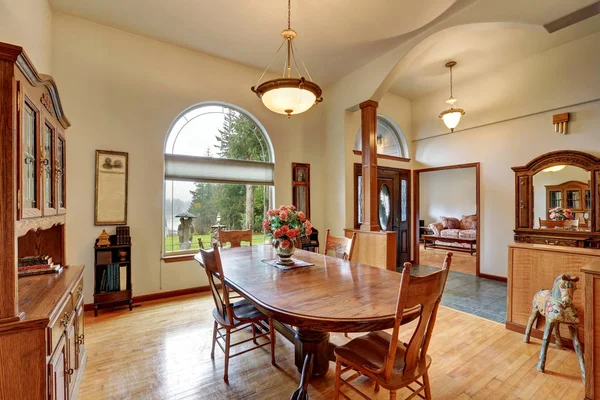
449,227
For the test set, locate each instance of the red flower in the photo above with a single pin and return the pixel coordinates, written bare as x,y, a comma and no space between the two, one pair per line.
308,231
272,212
285,244
283,215
292,233
277,233
267,224
292,207
301,216
285,230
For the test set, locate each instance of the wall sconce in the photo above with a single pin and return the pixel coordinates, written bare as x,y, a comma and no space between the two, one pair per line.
560,122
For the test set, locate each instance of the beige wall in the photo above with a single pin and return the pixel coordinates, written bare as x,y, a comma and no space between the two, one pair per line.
121,92
28,23
447,193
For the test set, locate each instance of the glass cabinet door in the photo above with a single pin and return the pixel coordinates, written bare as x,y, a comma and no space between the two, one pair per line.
61,175
574,199
29,171
48,170
555,199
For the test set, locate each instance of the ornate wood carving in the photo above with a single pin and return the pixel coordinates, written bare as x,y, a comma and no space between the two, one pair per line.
47,103
25,225
524,231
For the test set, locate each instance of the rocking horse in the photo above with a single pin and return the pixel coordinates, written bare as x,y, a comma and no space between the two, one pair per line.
557,307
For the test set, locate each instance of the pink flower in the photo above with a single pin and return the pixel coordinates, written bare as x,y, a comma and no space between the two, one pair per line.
285,244
283,215
301,216
285,230
308,231
272,212
292,207
308,225
277,233
267,224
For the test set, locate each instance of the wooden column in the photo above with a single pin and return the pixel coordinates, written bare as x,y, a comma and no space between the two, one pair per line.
368,116
9,301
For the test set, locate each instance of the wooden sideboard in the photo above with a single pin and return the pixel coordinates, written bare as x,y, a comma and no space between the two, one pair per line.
45,350
532,267
592,329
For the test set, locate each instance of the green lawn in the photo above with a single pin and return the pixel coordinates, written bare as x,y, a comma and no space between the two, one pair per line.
172,242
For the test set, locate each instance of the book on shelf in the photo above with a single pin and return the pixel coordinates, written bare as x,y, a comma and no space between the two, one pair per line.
111,279
123,278
37,267
53,270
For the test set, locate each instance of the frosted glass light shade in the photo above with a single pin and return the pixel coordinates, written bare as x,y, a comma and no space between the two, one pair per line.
288,95
288,101
555,168
451,117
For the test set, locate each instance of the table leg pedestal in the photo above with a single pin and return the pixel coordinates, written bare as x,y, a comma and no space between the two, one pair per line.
311,357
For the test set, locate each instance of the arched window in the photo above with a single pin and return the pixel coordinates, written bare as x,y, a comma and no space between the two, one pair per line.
219,172
390,140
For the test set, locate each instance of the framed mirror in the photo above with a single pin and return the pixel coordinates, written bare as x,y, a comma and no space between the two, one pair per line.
557,200
110,206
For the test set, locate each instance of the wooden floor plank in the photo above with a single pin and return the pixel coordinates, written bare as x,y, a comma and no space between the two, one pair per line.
162,351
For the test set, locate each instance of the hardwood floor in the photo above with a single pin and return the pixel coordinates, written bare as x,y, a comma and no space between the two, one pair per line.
461,262
161,350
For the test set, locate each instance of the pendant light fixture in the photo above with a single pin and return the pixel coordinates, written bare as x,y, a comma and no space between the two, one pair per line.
452,115
288,95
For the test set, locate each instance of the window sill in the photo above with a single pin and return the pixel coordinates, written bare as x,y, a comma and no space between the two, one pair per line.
384,156
178,258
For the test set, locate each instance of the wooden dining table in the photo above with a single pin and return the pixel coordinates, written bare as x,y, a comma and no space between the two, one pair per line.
307,303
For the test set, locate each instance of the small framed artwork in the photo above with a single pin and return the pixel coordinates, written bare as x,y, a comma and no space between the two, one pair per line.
301,187
110,206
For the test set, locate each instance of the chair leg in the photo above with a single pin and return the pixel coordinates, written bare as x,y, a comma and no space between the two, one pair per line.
427,386
346,334
338,379
558,339
392,395
575,335
376,386
547,333
227,344
273,339
254,334
212,352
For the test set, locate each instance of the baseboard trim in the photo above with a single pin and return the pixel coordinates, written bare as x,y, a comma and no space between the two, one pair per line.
493,277
160,295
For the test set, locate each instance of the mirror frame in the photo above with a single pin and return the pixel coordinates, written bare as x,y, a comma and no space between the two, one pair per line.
524,195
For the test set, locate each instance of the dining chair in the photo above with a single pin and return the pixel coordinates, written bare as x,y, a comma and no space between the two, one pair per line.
233,317
235,237
388,361
339,246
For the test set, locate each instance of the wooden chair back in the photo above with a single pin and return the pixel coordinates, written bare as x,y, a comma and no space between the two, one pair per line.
211,259
339,246
422,293
547,223
235,238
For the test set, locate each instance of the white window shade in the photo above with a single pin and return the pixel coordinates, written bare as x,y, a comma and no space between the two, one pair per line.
218,170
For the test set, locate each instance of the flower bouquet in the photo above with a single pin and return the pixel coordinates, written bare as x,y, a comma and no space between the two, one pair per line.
561,214
284,225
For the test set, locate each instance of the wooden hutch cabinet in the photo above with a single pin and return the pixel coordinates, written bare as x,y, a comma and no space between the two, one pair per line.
42,338
574,195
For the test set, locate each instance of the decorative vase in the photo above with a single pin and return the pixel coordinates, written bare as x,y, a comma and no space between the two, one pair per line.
285,255
123,255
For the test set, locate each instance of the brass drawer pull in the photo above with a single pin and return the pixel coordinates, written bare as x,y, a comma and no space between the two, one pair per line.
69,371
80,339
80,290
65,320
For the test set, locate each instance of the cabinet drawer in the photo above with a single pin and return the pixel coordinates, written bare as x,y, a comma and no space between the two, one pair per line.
57,327
111,297
77,292
555,241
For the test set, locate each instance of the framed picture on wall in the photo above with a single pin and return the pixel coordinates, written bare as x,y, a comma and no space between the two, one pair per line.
301,187
110,204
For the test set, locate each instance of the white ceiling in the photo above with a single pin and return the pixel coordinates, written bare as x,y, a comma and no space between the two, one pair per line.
479,49
334,36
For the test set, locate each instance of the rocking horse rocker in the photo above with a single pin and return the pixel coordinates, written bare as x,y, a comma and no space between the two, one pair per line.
557,307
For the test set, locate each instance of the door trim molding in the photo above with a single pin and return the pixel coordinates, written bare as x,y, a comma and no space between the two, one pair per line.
417,205
358,172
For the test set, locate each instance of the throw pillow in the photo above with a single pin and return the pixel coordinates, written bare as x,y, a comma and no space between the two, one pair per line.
468,222
450,223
